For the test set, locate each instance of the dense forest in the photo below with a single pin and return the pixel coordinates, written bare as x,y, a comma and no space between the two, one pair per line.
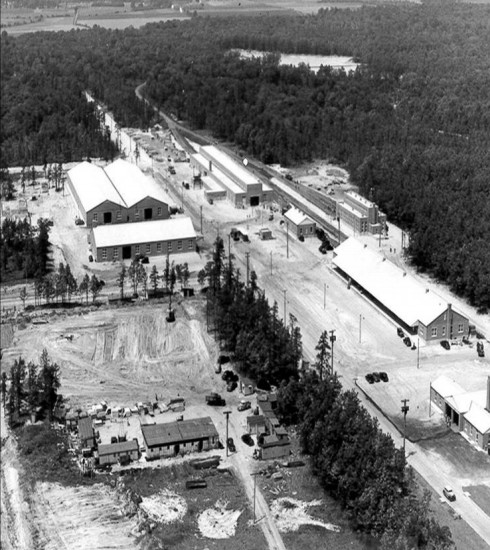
411,124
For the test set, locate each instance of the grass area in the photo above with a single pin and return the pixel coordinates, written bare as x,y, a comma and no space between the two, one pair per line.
182,535
481,495
299,483
463,535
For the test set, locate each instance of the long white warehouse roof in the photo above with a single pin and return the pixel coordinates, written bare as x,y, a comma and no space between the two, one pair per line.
389,284
121,182
93,186
228,163
143,232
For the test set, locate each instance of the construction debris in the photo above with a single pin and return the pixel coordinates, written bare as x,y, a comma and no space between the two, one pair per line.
218,522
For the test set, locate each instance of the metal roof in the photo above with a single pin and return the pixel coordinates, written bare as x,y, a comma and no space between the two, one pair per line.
121,447
172,433
85,428
143,232
297,217
93,186
221,158
389,284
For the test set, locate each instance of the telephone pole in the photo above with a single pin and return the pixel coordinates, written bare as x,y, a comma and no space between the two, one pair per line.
287,240
332,340
405,409
227,414
271,262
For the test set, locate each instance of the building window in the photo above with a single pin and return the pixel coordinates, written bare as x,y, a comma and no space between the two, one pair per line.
169,247
300,230
95,217
311,229
115,253
159,247
191,245
148,248
179,245
136,213
137,249
104,253
433,331
159,211
460,327
118,215
444,331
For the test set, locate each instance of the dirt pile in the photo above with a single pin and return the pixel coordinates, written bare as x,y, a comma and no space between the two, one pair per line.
218,522
290,514
164,507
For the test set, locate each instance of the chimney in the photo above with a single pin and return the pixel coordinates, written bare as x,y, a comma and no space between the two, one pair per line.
488,394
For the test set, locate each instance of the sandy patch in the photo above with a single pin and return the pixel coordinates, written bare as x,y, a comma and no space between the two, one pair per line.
165,506
218,522
290,514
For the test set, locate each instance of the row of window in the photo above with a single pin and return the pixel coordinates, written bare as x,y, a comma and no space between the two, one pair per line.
147,249
433,331
119,214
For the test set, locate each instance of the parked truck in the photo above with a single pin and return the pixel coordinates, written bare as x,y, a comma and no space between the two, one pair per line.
215,399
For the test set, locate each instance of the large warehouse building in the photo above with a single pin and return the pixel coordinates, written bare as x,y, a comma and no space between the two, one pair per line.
468,412
155,238
118,193
222,176
417,309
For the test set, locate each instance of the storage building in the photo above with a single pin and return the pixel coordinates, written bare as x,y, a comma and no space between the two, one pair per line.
156,238
111,454
172,438
300,224
86,434
401,296
116,194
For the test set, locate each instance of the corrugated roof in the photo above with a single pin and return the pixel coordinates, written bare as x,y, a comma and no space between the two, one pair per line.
122,447
132,185
479,418
446,387
172,433
297,217
398,291
93,186
143,232
246,177
85,428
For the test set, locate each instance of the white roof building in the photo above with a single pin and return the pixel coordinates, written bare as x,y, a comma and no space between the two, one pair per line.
143,232
446,387
297,217
479,418
229,164
387,283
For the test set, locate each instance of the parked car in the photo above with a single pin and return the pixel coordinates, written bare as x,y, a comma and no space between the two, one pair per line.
370,378
229,376
376,376
445,344
231,445
449,493
223,359
244,405
384,376
480,350
407,342
400,332
248,440
231,386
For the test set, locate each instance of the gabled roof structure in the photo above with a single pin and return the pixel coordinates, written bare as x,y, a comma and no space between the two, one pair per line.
171,433
297,217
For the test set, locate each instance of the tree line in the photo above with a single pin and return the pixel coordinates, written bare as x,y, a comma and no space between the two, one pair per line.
411,124
33,388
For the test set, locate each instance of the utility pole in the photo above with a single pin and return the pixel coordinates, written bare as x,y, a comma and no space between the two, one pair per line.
247,255
285,292
405,409
332,340
287,240
271,263
255,490
227,414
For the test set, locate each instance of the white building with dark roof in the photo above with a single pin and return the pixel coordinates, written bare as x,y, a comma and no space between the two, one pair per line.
417,309
149,238
118,193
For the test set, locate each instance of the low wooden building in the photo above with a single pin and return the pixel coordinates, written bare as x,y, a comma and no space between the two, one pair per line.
86,434
256,424
112,453
172,438
274,447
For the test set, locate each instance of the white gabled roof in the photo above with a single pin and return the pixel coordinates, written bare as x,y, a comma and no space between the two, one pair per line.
397,290
132,184
92,186
297,217
479,418
446,387
228,163
143,232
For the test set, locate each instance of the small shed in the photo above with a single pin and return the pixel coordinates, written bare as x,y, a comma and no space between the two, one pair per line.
274,448
265,234
256,424
112,453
